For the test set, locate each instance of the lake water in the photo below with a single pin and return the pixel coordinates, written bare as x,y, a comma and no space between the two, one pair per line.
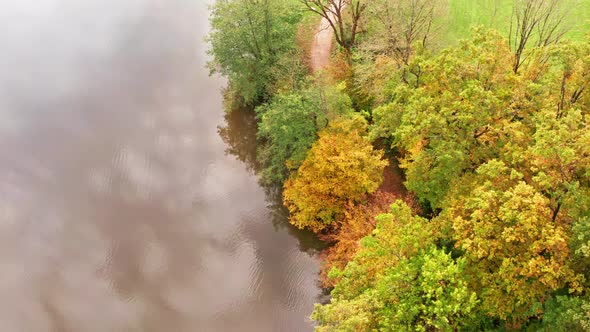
128,201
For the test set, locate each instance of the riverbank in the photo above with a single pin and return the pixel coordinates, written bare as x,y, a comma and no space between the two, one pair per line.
474,124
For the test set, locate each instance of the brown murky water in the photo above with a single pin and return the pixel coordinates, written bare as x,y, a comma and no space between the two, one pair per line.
127,201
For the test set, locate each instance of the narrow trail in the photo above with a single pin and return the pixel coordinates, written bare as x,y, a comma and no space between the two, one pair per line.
321,47
321,51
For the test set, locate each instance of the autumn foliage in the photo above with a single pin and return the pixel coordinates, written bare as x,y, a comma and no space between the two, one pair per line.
356,223
399,280
501,162
497,158
517,256
341,168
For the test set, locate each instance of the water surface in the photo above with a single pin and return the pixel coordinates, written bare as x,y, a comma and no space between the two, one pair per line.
127,201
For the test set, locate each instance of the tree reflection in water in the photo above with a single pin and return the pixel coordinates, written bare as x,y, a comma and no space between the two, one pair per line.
239,133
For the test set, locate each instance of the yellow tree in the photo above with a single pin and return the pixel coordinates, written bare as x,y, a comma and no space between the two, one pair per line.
517,254
340,169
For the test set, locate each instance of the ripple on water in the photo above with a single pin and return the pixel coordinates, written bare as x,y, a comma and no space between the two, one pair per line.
121,208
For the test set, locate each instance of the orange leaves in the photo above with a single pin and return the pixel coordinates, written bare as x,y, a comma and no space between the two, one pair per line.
358,222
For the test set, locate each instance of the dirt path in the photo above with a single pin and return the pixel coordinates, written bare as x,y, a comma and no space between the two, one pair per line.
321,47
321,50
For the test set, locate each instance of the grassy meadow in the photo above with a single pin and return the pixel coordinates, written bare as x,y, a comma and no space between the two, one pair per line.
496,14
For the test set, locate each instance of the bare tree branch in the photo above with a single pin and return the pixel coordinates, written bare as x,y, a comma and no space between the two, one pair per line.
337,13
535,23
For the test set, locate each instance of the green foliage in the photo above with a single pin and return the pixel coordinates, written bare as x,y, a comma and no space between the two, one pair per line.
504,158
249,40
581,242
289,124
429,293
340,169
454,120
399,281
566,313
580,245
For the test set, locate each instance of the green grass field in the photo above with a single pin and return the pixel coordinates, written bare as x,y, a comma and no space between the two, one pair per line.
496,14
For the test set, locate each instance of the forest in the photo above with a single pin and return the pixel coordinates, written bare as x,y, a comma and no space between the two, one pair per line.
443,154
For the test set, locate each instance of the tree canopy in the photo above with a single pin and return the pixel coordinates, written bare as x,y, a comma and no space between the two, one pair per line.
340,169
289,124
492,135
399,281
249,40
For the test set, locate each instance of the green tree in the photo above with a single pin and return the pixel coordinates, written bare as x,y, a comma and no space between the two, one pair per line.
455,119
341,168
580,244
399,281
248,39
288,126
566,313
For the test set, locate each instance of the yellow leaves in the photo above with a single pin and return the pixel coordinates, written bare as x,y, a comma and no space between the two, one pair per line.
340,169
516,254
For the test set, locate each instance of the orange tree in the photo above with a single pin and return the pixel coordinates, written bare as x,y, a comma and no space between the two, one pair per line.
358,222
